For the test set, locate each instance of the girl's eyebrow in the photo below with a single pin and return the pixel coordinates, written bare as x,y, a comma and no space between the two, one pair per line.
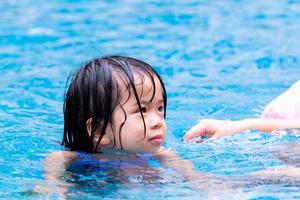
160,101
148,102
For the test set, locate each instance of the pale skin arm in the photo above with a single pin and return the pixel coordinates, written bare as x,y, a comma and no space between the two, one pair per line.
289,153
219,128
199,180
54,166
170,159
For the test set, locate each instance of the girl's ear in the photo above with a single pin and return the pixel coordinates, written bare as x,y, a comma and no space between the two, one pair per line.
105,139
89,126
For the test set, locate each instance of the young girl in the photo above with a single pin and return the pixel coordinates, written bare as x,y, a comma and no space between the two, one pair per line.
282,113
114,105
115,102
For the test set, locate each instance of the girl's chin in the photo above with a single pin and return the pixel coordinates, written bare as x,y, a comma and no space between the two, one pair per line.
152,150
155,150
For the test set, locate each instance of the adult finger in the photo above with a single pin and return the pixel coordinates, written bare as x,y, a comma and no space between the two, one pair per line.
194,132
215,136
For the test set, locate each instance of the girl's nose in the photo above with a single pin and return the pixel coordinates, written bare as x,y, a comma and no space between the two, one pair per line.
156,122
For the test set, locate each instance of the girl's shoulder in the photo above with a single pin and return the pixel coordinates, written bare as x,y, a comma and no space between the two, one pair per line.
60,159
66,155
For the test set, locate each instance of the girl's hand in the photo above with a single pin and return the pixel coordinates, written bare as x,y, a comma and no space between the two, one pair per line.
210,128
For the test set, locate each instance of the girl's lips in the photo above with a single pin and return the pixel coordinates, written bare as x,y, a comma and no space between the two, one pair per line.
157,139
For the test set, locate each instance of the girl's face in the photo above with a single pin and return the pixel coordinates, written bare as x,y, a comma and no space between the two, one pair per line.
132,136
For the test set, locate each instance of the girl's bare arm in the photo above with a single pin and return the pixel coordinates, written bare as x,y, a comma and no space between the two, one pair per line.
203,181
55,166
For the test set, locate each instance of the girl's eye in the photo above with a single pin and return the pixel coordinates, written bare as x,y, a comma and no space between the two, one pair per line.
160,108
144,109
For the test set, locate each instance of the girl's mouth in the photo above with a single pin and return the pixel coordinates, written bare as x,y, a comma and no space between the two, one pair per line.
158,139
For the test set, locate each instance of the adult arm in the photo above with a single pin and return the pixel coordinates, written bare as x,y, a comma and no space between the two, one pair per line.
220,128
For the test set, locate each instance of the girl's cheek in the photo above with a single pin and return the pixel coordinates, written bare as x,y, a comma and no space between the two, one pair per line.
165,125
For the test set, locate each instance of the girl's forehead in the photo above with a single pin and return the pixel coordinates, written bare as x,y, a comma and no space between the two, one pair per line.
145,86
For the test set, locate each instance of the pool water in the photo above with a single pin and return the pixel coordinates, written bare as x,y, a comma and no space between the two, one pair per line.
219,59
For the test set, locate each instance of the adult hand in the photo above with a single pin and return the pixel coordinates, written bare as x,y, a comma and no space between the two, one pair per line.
211,128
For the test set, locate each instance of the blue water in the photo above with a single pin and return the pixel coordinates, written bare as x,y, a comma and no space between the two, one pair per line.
219,59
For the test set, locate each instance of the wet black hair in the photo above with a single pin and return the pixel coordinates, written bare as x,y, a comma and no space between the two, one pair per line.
94,93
